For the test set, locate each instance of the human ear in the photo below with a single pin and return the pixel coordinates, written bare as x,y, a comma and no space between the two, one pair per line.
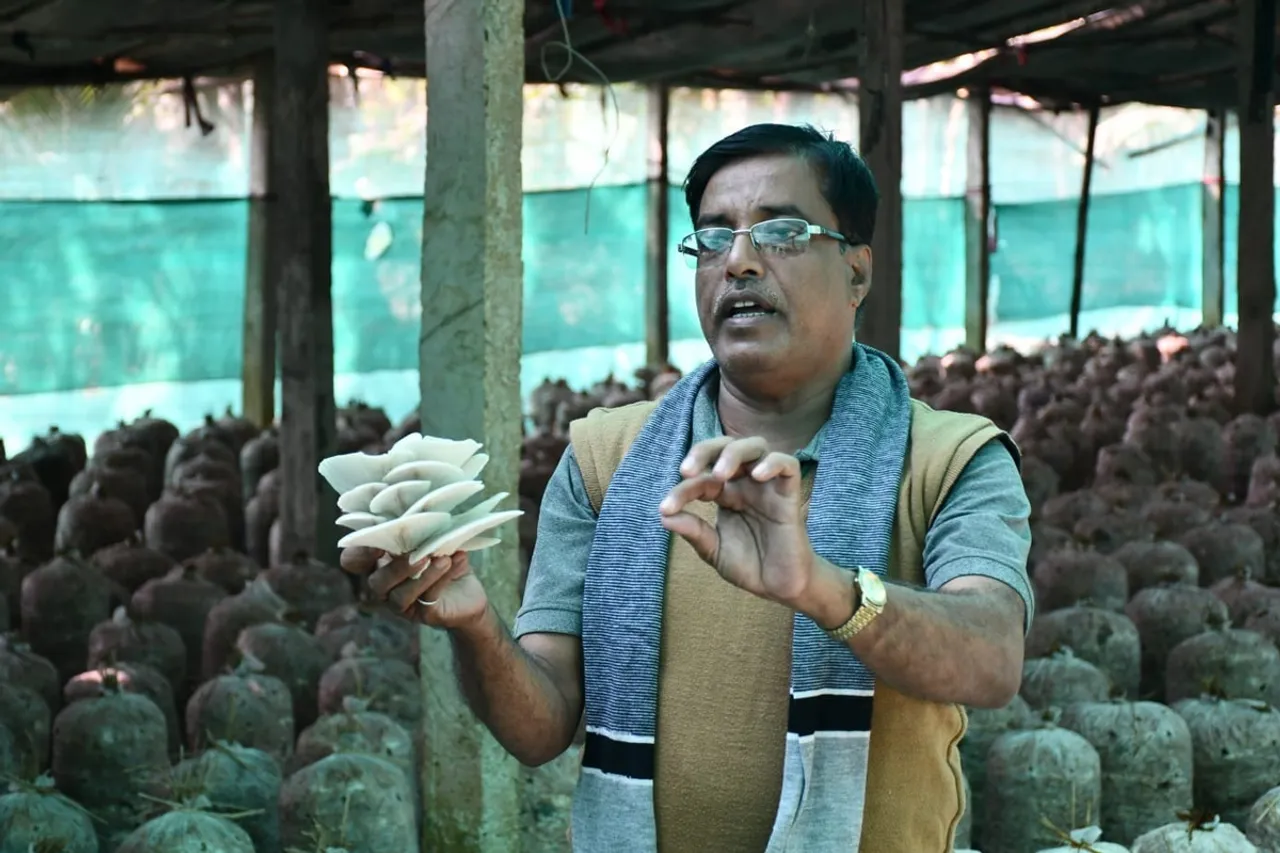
860,273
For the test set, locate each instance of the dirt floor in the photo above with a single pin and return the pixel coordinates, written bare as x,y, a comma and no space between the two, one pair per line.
548,793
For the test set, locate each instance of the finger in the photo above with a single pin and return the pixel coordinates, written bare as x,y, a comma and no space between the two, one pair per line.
702,488
395,572
777,466
457,568
740,457
461,563
703,455
359,560
405,596
698,533
434,573
426,612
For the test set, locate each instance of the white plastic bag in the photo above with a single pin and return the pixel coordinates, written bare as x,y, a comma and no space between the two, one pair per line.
1087,840
1178,837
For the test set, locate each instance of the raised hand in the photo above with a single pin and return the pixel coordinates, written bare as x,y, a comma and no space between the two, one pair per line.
759,541
456,595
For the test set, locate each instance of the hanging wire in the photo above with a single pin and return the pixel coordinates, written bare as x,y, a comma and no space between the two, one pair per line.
609,95
191,107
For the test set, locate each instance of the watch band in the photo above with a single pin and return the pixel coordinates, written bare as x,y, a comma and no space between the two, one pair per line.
866,611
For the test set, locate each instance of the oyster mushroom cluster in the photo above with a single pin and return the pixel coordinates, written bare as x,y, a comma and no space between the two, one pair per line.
404,501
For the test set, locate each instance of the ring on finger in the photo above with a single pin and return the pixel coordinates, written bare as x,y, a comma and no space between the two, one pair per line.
424,602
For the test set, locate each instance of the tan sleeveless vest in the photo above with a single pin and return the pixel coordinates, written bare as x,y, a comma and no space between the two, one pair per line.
915,793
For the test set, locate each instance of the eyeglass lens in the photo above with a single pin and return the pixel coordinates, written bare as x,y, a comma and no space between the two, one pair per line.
782,237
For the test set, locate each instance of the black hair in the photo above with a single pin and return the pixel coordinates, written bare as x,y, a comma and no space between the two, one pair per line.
846,182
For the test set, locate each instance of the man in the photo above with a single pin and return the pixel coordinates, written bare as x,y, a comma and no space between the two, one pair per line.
726,671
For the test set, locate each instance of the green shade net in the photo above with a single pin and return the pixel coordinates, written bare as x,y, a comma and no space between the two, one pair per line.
104,294
1141,249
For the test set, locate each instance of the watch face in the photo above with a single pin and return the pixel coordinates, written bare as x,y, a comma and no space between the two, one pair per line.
873,590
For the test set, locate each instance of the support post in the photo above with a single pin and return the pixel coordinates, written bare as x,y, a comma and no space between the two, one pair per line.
301,261
977,221
1255,388
1082,222
880,143
656,310
258,363
469,352
1212,291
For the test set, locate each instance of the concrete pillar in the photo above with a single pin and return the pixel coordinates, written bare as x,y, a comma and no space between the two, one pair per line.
472,283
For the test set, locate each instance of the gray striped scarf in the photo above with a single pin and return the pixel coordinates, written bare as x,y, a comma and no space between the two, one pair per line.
850,523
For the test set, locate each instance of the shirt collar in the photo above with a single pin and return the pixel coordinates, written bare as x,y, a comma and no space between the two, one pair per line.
707,425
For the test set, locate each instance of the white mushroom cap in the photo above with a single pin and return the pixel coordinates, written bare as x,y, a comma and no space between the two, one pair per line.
446,498
349,470
395,500
399,535
473,466
457,536
440,473
358,499
402,501
419,448
359,520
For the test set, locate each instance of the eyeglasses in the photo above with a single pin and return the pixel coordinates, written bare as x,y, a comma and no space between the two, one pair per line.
778,238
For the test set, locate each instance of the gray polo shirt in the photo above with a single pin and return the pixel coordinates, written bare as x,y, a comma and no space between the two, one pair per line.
982,529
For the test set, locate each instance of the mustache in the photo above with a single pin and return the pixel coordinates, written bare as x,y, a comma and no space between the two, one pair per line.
738,291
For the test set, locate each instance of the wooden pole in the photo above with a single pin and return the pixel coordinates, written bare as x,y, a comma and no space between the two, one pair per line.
977,221
301,266
1212,212
1082,222
1255,386
258,365
880,143
657,312
470,372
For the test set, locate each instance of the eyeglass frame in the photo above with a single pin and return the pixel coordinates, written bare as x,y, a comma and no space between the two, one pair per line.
811,231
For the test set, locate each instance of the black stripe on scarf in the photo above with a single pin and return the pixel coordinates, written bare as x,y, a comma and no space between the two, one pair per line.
829,713
822,713
617,757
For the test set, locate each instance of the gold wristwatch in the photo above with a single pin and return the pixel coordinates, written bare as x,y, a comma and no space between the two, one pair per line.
872,597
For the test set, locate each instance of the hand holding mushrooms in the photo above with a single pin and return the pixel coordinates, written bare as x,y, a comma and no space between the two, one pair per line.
408,535
456,595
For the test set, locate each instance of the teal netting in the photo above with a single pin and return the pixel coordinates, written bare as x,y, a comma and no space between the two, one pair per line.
99,294
103,294
1142,248
106,294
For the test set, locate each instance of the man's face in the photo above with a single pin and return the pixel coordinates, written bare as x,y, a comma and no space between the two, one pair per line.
809,297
